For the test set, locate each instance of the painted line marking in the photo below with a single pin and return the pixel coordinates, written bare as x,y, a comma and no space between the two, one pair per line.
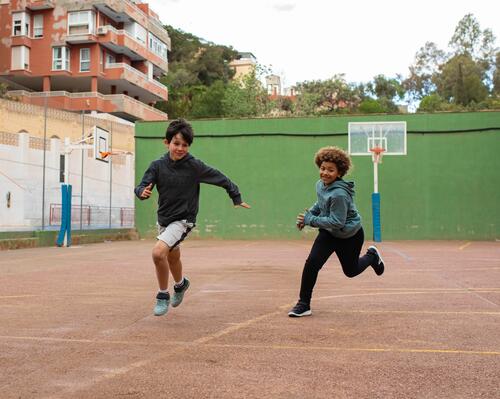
92,341
339,349
461,248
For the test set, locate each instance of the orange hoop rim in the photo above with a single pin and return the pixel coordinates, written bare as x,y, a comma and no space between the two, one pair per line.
377,150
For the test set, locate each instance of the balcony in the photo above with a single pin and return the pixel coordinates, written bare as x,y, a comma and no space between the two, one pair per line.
117,104
122,71
122,11
40,5
121,42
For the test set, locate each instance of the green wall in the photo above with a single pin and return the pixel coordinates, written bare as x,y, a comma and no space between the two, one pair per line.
446,187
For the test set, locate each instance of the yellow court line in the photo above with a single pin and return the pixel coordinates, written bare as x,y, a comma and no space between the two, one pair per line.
92,341
413,312
340,349
461,248
405,293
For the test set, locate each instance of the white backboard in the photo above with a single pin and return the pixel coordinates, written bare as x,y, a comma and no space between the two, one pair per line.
391,136
101,143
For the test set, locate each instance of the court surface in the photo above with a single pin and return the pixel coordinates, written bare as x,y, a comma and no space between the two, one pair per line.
77,323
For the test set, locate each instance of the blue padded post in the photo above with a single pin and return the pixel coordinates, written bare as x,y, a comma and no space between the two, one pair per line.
377,231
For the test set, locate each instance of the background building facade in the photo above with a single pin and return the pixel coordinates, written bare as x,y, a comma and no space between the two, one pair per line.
90,55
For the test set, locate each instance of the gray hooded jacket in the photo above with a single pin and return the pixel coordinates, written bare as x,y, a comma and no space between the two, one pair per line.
335,210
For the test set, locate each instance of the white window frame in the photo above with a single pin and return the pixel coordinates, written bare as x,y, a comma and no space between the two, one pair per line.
81,19
21,54
158,47
37,26
21,22
137,31
85,59
110,59
61,63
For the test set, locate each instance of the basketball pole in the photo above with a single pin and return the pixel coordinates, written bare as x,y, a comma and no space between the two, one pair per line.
377,230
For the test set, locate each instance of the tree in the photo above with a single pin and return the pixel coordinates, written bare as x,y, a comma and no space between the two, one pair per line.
496,76
245,97
326,97
194,66
461,81
432,103
469,39
207,101
3,90
424,68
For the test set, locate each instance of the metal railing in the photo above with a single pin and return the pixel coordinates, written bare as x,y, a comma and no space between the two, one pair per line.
94,216
140,74
108,97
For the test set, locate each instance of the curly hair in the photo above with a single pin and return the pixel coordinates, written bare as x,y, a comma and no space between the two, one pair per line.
335,155
180,126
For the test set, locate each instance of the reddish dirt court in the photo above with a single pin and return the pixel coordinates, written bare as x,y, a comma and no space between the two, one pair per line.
77,323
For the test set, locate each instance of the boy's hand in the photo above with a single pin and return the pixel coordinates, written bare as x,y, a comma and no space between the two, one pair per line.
300,220
146,193
243,205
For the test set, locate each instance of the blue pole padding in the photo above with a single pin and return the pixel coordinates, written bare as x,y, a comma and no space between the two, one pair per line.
68,216
377,231
62,230
65,216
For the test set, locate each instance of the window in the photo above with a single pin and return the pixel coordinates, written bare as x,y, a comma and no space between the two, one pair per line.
110,59
81,23
20,57
84,59
60,58
61,168
157,46
137,31
38,25
20,24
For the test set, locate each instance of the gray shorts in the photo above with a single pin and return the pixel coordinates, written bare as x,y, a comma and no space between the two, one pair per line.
174,233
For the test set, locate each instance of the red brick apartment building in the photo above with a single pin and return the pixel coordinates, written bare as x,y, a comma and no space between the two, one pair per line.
85,55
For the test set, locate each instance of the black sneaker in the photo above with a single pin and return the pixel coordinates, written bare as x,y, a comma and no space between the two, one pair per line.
299,310
378,266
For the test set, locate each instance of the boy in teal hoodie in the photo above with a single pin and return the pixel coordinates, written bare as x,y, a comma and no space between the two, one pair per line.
339,224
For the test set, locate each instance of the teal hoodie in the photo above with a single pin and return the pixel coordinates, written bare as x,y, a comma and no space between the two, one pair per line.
335,210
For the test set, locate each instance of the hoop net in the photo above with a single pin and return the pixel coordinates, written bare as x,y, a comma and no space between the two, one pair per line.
377,153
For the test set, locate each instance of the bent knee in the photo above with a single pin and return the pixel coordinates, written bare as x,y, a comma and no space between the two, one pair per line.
159,252
350,274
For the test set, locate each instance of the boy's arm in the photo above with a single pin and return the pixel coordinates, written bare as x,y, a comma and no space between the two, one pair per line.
336,219
147,183
209,175
315,209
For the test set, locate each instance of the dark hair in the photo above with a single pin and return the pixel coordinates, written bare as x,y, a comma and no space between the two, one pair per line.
335,155
180,126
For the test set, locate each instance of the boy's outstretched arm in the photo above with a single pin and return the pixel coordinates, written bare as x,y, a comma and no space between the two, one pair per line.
210,175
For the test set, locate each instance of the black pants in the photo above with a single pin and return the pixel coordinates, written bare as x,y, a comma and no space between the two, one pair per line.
324,246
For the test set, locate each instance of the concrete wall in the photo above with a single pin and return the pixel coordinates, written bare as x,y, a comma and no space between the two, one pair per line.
21,165
447,187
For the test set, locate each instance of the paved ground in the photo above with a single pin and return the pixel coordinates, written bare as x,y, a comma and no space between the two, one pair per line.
77,323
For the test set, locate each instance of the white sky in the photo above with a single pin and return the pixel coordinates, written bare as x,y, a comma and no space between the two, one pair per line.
315,39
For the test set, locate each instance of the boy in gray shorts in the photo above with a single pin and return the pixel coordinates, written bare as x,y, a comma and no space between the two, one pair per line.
177,176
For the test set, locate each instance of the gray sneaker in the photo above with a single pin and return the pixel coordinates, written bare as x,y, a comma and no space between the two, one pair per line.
162,302
179,293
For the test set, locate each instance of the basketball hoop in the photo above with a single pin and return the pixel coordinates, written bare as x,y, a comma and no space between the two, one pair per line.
377,153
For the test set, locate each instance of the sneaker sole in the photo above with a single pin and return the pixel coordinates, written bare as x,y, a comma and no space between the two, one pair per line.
306,313
380,260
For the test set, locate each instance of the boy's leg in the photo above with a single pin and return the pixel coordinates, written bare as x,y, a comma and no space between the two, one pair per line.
160,256
181,282
321,250
348,250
